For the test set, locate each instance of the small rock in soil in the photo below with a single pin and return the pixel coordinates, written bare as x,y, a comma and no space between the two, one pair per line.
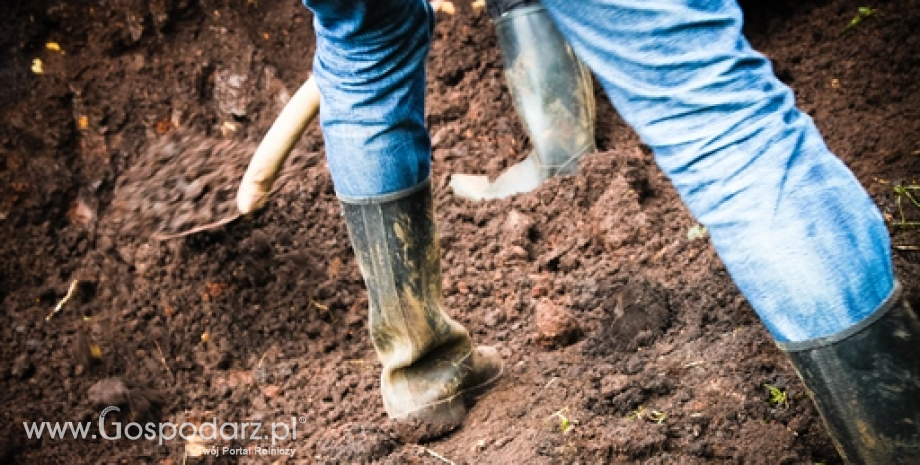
516,252
556,326
355,443
494,318
22,367
109,391
271,391
517,230
230,91
141,402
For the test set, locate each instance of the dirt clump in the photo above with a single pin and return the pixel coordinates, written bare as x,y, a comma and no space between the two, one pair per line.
556,326
635,317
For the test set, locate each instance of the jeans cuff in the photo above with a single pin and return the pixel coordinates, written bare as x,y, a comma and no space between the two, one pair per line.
887,304
385,198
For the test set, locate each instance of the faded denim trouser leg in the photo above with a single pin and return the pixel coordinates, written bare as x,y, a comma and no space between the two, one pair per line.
799,235
370,69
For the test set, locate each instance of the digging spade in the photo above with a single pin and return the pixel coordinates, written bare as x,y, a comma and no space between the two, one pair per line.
186,183
272,152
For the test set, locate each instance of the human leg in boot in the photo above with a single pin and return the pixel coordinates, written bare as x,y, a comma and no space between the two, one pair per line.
553,95
370,70
797,232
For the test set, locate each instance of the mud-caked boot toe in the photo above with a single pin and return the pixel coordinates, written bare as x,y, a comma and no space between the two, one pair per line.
430,398
486,367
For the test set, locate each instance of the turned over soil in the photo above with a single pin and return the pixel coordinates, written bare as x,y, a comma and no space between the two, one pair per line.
624,338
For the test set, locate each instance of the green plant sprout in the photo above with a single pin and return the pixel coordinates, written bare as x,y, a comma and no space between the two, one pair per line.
862,13
636,414
652,415
778,397
565,424
900,192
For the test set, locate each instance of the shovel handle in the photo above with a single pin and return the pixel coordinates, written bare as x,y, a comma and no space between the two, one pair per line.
274,149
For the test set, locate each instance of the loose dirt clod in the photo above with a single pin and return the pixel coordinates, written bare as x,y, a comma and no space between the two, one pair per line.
636,316
355,443
109,391
181,182
141,402
517,229
556,326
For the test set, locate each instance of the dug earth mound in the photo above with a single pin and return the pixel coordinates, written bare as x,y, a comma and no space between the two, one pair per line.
624,339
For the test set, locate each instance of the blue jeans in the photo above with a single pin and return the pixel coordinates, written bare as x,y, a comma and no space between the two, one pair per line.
800,237
370,70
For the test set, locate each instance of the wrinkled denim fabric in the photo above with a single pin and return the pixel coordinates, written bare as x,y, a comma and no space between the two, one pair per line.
797,232
370,70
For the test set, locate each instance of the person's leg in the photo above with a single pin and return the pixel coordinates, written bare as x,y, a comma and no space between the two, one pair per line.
553,96
370,69
798,234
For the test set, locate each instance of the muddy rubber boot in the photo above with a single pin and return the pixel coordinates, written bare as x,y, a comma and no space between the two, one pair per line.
430,367
866,384
553,95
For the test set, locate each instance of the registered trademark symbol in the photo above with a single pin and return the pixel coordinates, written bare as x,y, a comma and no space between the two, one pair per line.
302,419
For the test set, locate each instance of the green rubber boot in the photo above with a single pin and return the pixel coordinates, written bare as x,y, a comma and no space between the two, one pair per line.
430,366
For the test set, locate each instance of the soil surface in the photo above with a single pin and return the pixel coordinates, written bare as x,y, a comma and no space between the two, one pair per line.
624,338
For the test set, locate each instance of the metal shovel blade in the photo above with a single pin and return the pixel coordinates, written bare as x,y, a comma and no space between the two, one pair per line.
521,178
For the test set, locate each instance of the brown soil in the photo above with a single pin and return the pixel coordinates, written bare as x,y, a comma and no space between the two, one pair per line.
606,313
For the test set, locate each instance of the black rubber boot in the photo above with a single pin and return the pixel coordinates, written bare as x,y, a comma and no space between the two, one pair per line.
866,384
429,362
